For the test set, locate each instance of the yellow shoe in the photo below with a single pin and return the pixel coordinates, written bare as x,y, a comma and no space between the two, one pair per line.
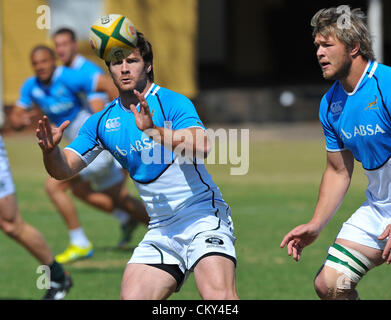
73,253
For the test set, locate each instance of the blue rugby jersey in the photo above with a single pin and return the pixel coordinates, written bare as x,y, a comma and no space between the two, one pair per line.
165,183
360,121
59,99
89,68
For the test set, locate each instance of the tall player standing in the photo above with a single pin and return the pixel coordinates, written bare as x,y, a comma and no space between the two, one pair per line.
355,115
190,225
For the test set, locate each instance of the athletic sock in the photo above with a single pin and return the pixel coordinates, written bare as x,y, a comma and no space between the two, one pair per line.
78,238
122,216
57,272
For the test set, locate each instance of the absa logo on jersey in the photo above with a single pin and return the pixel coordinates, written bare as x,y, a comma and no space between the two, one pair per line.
362,130
112,124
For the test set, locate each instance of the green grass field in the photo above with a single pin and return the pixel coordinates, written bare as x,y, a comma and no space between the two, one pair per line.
278,193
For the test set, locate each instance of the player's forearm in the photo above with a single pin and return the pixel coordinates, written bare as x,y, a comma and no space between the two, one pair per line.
191,142
18,118
56,164
332,191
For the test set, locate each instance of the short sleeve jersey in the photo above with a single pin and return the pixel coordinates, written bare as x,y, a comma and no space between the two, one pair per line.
164,184
87,67
59,99
360,121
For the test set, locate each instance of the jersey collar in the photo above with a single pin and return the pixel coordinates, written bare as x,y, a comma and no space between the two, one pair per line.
151,91
77,62
57,72
362,77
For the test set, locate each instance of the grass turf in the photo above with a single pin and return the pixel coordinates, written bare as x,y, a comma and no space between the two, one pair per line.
278,193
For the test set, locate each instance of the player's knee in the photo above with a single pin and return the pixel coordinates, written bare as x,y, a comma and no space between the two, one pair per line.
50,186
322,289
53,186
12,228
335,288
217,291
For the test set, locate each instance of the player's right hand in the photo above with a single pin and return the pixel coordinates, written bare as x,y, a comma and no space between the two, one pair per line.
49,136
298,238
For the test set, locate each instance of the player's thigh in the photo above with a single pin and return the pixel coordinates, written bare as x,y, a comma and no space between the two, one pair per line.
144,282
215,277
373,254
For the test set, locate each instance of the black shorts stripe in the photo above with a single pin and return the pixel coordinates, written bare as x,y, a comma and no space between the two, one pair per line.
173,270
213,254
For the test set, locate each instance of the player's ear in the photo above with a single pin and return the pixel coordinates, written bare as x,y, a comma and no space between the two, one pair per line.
355,49
149,68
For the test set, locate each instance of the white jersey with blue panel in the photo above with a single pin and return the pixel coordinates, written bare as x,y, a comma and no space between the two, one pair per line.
59,99
81,64
360,121
165,183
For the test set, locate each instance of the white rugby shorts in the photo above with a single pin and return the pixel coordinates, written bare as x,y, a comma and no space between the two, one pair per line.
364,226
196,233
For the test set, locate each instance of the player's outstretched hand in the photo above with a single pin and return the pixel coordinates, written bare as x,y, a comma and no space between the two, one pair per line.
49,136
386,255
144,117
298,238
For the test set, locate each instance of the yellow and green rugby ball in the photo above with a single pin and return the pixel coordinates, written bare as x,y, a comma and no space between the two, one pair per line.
113,37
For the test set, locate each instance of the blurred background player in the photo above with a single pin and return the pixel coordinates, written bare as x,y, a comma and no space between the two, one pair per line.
66,48
12,224
356,120
55,91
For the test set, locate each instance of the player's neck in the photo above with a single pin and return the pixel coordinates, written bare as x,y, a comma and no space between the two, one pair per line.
357,68
128,97
70,62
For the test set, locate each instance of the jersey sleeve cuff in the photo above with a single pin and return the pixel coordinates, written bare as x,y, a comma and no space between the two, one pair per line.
335,149
20,104
81,157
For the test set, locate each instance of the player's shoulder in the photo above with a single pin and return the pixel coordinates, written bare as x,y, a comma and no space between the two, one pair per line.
381,73
328,96
30,82
84,64
63,72
170,96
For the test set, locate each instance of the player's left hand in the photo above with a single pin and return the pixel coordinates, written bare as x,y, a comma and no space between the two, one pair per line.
144,117
386,255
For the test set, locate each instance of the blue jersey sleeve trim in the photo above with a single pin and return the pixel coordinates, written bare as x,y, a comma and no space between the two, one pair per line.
381,95
161,106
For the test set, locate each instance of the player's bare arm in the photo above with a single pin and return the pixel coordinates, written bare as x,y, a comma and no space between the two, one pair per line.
96,104
19,118
60,164
334,185
193,140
